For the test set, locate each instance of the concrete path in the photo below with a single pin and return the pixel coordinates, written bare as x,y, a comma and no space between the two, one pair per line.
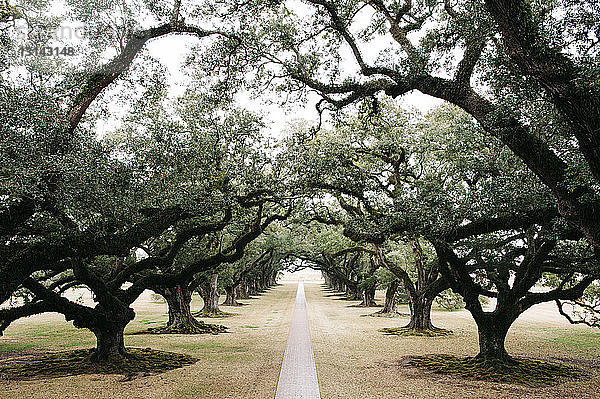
298,377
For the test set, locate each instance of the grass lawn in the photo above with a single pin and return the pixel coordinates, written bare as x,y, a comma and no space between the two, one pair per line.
354,359
241,364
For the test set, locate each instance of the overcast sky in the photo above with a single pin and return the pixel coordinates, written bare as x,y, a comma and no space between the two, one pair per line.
172,52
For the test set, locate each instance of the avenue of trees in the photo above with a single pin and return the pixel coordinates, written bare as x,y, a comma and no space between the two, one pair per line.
491,197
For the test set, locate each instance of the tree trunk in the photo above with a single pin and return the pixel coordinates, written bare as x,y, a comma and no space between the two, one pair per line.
243,291
178,300
368,298
211,296
181,320
355,294
252,288
420,313
231,299
108,329
327,280
390,307
493,329
263,281
180,314
110,345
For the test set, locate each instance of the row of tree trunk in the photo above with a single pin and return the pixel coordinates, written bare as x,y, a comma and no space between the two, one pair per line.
419,303
179,300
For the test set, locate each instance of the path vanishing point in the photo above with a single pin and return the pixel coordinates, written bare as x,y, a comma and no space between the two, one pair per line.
298,377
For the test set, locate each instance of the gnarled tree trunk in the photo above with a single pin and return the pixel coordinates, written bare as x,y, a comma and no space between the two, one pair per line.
491,344
110,345
492,329
368,297
211,295
109,330
181,319
421,294
420,313
390,307
231,299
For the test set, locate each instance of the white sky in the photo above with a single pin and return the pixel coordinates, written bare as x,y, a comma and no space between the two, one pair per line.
172,51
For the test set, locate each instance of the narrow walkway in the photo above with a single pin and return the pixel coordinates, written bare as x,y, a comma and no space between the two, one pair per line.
298,377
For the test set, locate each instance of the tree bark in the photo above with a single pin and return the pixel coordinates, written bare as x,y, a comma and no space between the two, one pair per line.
110,345
211,295
231,299
390,307
243,291
492,331
181,319
368,298
108,328
420,313
354,294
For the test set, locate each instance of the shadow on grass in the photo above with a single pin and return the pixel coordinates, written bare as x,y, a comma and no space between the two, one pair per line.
196,328
138,362
335,295
411,332
387,315
363,306
213,315
521,371
239,304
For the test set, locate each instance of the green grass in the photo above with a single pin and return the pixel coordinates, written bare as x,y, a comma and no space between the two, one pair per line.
250,326
15,346
580,340
587,342
45,337
149,321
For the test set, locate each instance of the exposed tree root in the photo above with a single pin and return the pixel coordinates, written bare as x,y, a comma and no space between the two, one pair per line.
199,328
388,314
136,362
516,371
213,315
236,304
361,305
412,332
